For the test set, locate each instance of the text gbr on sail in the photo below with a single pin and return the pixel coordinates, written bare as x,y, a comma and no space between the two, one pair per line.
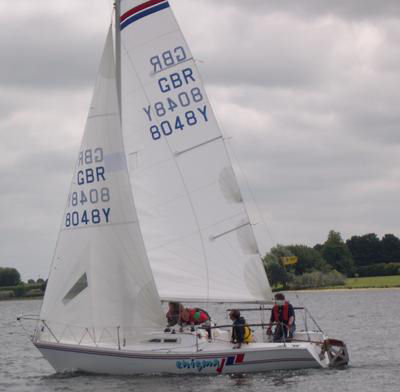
90,175
176,80
168,59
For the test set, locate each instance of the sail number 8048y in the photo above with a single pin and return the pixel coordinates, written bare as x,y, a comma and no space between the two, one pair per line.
94,216
189,118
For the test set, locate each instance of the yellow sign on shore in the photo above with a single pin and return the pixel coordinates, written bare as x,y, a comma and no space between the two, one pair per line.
289,260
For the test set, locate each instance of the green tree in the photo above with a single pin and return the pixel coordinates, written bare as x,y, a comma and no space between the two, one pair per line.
9,277
317,279
309,260
276,272
365,249
337,254
390,246
280,251
318,247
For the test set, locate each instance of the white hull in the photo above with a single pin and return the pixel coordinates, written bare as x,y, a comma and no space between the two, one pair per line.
214,358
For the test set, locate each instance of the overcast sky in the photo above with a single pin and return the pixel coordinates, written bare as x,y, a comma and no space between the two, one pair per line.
307,91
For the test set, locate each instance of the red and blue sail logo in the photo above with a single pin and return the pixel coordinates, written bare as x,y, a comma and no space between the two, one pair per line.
142,10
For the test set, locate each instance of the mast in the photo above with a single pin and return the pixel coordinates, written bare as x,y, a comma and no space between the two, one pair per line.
117,6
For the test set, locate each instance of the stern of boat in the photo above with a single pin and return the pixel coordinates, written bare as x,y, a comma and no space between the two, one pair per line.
336,351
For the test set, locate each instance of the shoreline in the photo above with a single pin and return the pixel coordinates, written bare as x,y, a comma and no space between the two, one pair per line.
344,289
21,298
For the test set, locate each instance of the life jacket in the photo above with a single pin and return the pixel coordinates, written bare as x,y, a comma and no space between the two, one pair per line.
198,316
285,314
248,336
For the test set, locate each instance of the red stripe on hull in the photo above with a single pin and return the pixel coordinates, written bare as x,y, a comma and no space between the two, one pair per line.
239,358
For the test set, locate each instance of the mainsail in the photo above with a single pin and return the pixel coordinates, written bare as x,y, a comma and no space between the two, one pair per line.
101,286
197,232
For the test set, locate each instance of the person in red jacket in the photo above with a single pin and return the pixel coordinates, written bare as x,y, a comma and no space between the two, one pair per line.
282,314
194,316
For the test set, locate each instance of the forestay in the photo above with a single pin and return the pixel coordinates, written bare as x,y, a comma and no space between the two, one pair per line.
101,288
197,233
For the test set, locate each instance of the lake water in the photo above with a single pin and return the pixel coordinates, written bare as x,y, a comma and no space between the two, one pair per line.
368,321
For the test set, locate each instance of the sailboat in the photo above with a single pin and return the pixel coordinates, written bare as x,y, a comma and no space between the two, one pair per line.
155,214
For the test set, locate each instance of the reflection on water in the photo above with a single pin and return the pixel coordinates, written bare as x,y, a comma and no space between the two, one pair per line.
367,320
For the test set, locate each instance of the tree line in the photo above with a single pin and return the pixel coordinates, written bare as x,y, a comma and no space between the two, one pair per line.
323,264
331,262
11,285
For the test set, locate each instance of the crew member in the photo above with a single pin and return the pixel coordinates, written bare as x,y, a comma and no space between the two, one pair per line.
194,316
282,314
173,314
241,333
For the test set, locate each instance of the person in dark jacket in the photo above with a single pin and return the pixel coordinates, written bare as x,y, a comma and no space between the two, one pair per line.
173,314
282,314
238,328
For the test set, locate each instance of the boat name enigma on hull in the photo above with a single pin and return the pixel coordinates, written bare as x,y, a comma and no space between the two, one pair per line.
217,363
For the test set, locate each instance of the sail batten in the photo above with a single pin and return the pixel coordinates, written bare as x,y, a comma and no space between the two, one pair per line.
177,153
216,236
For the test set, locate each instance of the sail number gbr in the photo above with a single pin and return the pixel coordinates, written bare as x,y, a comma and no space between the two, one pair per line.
181,102
90,197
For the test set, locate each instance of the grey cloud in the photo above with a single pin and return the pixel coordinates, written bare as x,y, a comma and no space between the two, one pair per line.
29,250
48,53
364,107
35,185
33,193
354,9
269,56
